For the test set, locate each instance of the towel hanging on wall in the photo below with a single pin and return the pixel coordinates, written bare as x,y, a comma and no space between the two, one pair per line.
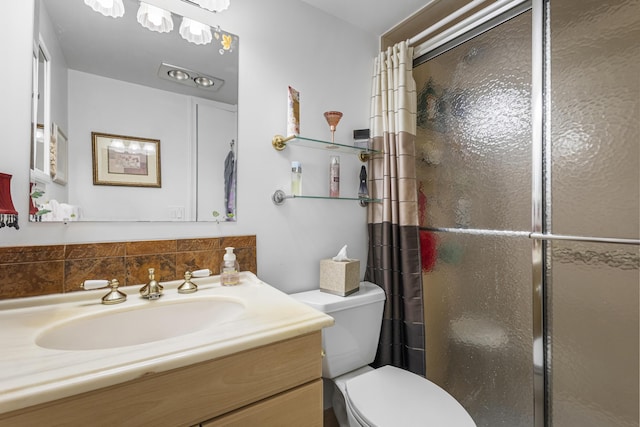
229,183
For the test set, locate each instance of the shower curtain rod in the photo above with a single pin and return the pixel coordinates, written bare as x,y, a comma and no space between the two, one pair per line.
491,11
444,21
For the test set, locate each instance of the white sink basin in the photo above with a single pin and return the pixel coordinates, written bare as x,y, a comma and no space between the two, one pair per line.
153,321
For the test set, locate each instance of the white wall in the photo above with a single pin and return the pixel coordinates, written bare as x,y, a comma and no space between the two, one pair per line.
99,104
282,42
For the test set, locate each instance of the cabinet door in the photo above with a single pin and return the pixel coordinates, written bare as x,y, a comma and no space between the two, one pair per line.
298,407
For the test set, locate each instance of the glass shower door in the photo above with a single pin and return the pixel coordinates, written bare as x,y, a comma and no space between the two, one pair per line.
476,169
474,145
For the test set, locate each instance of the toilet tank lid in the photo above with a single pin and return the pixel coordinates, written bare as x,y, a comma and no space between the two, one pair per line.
328,303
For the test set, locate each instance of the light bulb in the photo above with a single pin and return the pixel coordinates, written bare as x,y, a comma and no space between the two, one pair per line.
195,32
154,18
111,8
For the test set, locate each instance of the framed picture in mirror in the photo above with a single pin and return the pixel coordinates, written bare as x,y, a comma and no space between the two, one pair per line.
58,156
125,160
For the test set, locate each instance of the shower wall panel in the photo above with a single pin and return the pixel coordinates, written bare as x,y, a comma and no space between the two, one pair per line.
594,334
593,300
595,117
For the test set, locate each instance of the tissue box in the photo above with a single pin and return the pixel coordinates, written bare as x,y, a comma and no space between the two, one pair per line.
339,277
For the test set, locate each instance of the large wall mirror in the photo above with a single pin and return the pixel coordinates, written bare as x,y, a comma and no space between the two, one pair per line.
167,106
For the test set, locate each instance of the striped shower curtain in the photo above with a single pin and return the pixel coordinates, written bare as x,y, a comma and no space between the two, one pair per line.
394,251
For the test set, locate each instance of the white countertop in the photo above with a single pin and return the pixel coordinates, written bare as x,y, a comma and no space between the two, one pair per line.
30,374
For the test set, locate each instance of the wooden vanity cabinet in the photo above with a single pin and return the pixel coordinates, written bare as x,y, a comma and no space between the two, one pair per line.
277,384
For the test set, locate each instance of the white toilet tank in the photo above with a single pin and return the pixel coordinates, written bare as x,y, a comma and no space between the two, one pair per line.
352,341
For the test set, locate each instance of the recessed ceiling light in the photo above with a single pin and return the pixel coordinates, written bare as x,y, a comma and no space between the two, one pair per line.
189,77
178,74
203,81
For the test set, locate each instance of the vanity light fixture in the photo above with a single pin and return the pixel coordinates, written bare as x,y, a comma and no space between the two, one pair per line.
160,20
112,8
154,18
195,32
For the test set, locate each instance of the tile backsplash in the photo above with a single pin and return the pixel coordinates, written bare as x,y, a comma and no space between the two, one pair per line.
40,270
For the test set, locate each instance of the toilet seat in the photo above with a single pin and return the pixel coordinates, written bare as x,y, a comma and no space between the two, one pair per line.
390,396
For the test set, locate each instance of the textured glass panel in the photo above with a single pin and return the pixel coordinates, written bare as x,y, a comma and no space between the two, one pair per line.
474,131
595,93
478,318
594,331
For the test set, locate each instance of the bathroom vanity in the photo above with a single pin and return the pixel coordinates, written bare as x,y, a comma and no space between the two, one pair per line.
260,364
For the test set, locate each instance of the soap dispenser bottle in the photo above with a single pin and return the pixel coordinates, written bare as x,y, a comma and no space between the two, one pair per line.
230,269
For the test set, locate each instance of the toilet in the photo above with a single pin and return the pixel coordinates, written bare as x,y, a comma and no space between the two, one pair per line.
364,396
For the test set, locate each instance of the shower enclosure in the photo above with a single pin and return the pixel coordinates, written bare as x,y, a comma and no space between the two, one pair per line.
528,144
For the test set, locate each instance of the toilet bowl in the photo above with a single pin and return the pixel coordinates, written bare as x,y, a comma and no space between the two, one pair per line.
363,396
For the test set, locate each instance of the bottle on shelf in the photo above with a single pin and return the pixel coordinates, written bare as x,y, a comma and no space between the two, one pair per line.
334,176
296,178
363,192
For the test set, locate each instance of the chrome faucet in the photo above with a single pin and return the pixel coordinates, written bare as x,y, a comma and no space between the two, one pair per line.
153,289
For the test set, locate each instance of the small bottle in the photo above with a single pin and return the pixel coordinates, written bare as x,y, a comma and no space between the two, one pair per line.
334,177
229,270
296,178
363,193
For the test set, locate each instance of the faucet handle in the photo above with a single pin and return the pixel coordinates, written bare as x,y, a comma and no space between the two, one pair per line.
205,272
88,285
187,287
115,296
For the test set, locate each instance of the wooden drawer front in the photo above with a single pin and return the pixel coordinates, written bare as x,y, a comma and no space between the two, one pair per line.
299,407
189,395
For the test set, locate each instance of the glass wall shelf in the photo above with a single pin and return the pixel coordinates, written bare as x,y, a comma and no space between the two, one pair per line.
280,142
280,196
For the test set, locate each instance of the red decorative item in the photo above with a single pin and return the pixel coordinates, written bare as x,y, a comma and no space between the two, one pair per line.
8,213
428,250
33,209
428,240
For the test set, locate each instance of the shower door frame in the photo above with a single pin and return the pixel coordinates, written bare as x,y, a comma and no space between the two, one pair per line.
491,16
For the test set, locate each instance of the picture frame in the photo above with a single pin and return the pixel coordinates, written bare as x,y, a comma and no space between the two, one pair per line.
125,160
58,155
